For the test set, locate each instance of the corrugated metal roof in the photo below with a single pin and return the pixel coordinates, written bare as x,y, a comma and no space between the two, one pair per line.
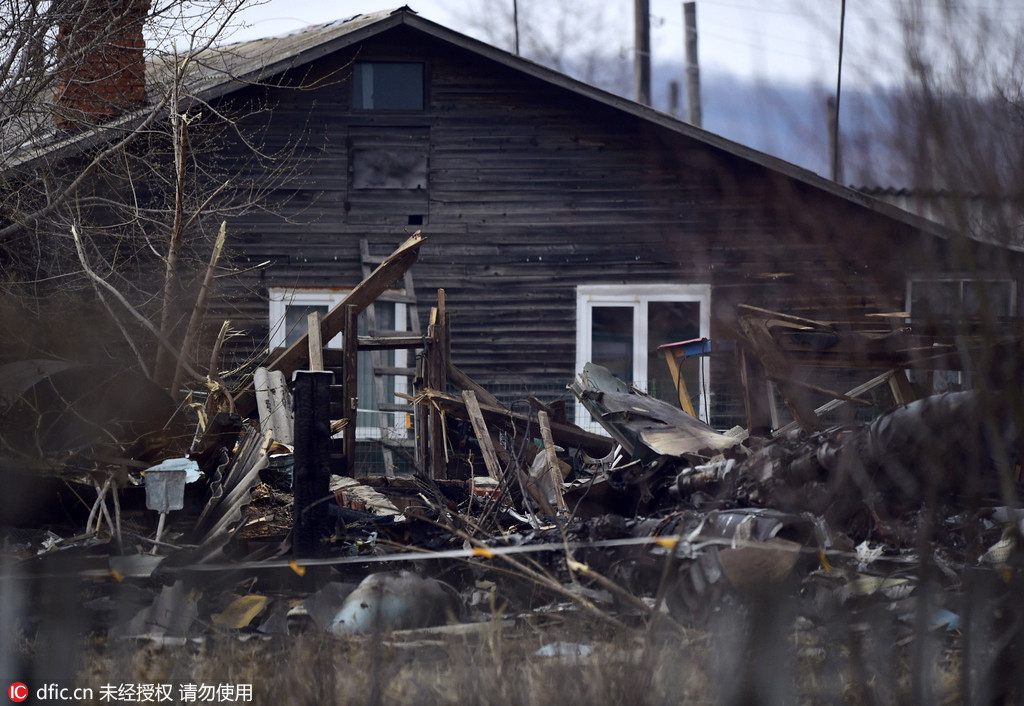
265,57
933,193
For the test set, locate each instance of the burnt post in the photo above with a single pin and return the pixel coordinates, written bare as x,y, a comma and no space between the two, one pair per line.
312,402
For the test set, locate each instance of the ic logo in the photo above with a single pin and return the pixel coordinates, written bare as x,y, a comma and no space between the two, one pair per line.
17,692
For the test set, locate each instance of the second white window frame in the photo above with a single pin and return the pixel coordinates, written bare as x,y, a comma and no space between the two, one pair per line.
637,296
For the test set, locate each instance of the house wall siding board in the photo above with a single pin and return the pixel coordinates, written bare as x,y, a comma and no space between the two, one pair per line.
532,191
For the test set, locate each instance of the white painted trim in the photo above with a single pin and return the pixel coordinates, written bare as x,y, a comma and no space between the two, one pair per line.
636,296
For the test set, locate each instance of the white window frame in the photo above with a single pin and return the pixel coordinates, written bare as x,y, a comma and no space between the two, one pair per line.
958,377
636,297
962,279
281,297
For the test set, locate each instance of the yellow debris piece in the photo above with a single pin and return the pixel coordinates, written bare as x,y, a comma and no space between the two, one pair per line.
241,612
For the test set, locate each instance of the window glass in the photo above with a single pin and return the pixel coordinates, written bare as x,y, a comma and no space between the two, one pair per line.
295,320
296,327
366,387
987,298
387,86
945,299
612,340
934,299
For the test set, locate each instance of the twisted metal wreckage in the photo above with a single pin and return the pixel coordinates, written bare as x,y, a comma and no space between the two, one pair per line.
663,510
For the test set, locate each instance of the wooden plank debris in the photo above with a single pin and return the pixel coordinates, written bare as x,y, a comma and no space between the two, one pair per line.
902,390
836,403
483,436
316,346
436,378
565,435
759,340
554,472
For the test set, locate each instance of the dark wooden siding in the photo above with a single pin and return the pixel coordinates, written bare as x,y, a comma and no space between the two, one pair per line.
532,191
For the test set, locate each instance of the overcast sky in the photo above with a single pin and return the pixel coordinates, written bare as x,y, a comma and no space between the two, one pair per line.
775,40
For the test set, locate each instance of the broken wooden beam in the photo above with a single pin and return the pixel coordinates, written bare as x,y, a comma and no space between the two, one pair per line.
483,436
385,343
902,390
436,374
464,382
757,405
555,410
554,473
565,435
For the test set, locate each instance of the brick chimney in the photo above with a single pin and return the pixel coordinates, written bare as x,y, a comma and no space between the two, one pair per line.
101,67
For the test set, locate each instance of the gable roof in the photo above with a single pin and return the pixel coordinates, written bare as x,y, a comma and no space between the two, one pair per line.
220,71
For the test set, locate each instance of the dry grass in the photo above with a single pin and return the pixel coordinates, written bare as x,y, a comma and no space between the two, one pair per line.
498,665
494,666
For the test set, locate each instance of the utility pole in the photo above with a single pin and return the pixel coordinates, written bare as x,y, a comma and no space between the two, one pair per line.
692,64
834,146
837,170
642,50
673,98
515,22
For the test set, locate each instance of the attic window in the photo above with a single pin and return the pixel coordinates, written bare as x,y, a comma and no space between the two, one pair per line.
378,85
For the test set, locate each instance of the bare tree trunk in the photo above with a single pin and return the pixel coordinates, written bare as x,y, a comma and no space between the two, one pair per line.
162,370
199,310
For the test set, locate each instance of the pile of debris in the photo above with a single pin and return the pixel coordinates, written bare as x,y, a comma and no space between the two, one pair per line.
247,519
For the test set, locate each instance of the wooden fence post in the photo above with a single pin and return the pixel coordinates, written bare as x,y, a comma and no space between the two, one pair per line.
350,388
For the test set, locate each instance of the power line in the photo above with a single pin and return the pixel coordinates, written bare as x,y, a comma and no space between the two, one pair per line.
736,40
752,8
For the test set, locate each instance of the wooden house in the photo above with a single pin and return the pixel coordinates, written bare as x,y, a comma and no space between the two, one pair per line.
565,224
